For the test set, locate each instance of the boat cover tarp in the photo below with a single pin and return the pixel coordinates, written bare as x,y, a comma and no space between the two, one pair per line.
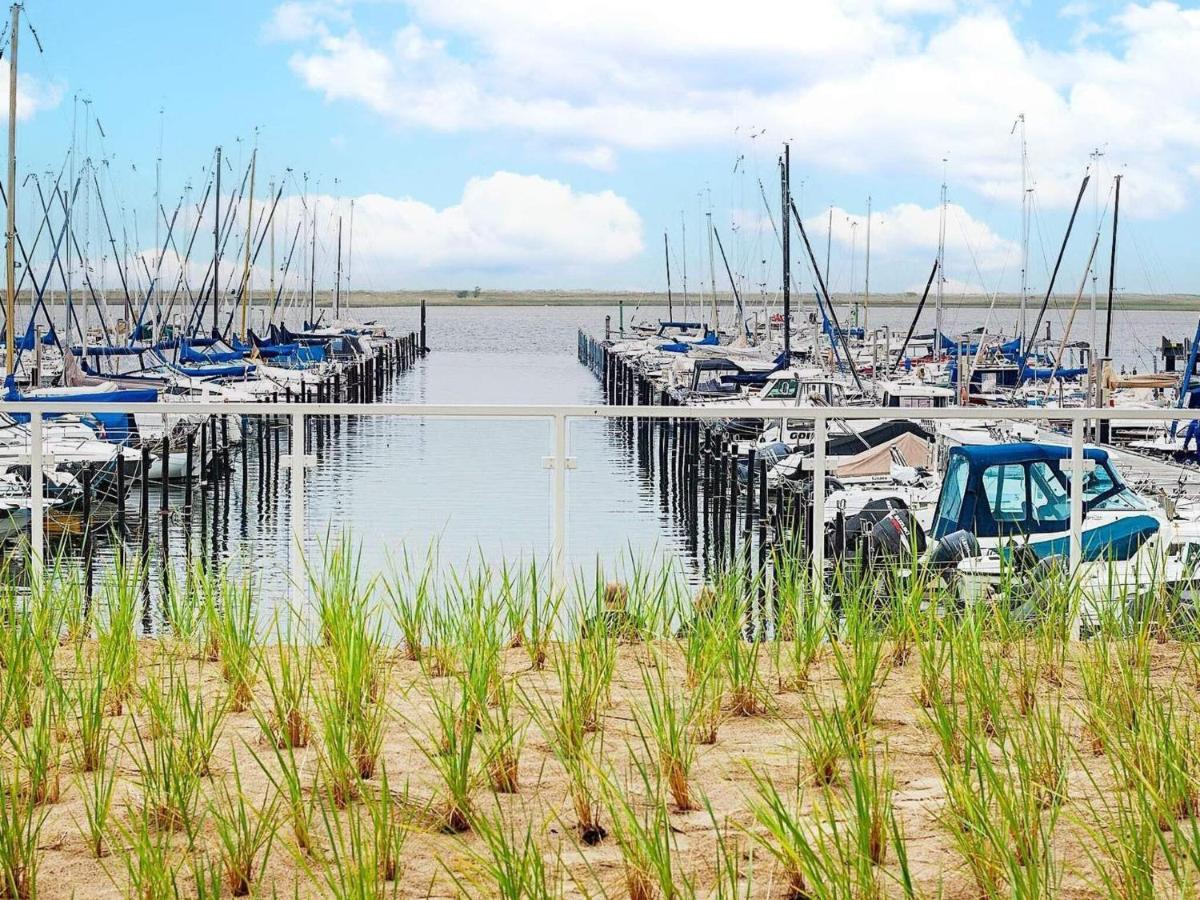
915,450
849,444
116,427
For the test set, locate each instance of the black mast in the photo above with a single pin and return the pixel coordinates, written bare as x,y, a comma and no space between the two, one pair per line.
1054,275
1112,269
667,257
216,242
912,326
840,335
785,184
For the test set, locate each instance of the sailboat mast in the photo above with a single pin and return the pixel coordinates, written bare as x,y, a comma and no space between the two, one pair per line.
312,269
1112,267
337,278
683,260
10,324
867,282
272,229
785,177
941,277
1096,154
1024,321
350,255
216,295
245,291
667,259
712,276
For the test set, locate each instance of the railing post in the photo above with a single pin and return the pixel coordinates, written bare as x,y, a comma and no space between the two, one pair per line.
817,538
559,463
1076,544
298,460
37,520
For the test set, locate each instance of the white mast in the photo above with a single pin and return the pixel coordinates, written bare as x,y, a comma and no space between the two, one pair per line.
712,274
867,283
1095,155
683,262
941,277
1023,324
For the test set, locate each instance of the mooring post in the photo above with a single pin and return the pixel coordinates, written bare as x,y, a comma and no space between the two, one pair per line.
164,503
817,538
1076,553
37,500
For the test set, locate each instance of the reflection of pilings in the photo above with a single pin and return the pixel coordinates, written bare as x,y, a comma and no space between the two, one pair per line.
694,466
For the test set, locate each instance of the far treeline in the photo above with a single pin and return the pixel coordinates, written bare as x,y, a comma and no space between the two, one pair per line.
477,296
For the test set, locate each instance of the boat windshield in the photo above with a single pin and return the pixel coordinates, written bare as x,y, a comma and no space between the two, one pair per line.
950,502
782,389
1103,489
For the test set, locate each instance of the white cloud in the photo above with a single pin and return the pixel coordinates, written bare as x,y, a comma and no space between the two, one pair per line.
598,157
506,229
859,85
910,232
34,95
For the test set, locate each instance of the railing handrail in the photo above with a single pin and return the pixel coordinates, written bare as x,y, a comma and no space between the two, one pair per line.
559,462
604,411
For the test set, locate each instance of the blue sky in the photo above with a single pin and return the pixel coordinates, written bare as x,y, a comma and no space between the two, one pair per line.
510,144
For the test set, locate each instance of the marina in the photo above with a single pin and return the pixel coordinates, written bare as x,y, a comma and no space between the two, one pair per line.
385,511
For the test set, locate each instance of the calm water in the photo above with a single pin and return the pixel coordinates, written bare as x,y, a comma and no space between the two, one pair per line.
477,489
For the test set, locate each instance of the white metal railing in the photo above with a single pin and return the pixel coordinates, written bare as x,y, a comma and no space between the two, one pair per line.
559,461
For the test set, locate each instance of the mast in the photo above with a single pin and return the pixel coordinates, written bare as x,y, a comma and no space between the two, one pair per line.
245,291
350,255
667,259
10,325
785,176
272,230
683,260
828,242
1112,268
1095,155
337,282
867,284
216,242
941,276
712,277
1023,323
312,270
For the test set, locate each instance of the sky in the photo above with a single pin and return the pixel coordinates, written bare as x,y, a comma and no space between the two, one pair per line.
516,144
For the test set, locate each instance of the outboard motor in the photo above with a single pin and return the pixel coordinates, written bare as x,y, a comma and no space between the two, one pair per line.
953,549
894,538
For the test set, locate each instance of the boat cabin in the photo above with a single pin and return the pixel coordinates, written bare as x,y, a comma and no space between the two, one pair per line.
1023,490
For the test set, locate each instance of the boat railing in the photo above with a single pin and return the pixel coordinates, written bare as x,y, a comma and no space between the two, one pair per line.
559,461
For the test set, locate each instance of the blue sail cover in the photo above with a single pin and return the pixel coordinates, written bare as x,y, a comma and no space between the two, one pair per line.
116,427
709,340
187,354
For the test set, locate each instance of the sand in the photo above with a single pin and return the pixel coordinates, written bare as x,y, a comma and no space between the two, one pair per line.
766,744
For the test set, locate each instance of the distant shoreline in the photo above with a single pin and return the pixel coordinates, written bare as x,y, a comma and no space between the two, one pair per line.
486,298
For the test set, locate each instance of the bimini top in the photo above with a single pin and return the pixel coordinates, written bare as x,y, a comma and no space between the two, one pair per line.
1023,451
998,490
